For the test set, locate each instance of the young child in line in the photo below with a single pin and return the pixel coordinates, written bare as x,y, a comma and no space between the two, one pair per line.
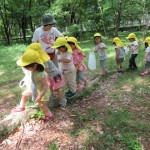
55,79
134,51
120,53
68,68
100,47
147,57
78,60
32,62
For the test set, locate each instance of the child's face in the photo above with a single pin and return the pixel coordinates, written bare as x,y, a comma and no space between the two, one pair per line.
33,68
72,45
132,40
97,40
47,27
62,49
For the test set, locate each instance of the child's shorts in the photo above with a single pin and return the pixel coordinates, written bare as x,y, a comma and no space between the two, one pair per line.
120,60
56,82
103,63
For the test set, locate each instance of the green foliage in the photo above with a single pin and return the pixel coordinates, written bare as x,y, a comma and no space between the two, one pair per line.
53,147
39,115
74,30
4,132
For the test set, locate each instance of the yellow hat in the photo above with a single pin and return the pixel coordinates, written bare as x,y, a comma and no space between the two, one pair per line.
97,34
132,36
118,42
147,40
74,40
29,57
61,41
38,48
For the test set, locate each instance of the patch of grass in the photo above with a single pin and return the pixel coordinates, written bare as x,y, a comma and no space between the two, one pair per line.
53,147
82,121
118,134
38,115
118,118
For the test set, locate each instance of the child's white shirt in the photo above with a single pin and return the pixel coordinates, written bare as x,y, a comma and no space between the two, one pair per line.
133,46
40,35
68,56
148,54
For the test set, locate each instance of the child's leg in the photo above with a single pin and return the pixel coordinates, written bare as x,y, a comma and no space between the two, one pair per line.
70,79
59,93
82,77
103,65
134,64
62,99
23,101
45,109
78,80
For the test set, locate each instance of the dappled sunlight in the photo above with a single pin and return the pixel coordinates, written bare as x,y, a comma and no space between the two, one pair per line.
1,72
127,87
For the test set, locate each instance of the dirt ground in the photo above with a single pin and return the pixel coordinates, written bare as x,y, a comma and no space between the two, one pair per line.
35,135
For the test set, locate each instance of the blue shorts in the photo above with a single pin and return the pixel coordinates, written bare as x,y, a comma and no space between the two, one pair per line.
103,63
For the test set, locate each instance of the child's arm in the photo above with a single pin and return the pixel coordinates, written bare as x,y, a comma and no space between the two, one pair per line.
93,50
64,60
47,70
83,54
145,56
117,54
43,90
136,47
102,47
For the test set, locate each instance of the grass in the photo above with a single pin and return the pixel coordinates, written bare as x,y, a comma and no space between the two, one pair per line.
122,124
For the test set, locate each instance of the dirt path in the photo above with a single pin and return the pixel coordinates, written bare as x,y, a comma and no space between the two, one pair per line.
35,135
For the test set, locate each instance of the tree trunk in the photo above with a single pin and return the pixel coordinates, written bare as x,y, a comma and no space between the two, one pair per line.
24,26
5,23
118,18
13,120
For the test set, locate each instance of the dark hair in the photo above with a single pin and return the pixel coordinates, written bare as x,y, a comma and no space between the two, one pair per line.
63,47
146,44
96,37
71,43
114,43
39,68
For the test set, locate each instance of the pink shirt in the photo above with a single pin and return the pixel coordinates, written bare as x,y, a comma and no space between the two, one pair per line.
78,57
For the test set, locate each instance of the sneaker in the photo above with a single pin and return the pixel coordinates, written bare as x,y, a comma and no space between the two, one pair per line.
144,74
71,95
68,92
63,102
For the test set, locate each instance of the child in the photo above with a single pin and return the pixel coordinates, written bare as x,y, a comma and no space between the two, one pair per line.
32,62
134,51
55,78
147,57
68,68
120,51
101,49
78,60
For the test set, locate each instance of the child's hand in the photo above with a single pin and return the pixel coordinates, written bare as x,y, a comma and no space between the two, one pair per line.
58,53
129,46
92,51
60,60
38,99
